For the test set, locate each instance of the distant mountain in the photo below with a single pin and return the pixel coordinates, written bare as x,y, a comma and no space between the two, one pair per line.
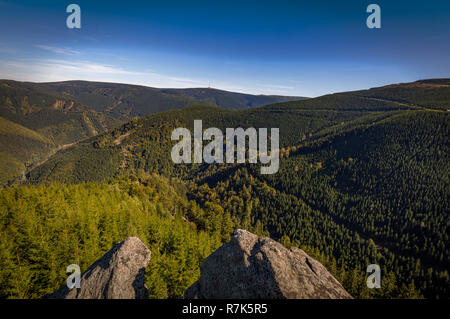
64,113
35,124
430,94
230,100
125,101
61,120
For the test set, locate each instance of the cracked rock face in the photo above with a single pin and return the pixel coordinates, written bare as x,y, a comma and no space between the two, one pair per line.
119,274
258,267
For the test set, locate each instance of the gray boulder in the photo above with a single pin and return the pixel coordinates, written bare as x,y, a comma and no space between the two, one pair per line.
119,274
258,267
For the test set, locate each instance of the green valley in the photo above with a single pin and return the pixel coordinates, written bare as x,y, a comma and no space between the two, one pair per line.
68,112
363,179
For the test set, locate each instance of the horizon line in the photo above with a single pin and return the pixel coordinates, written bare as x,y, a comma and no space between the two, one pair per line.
218,89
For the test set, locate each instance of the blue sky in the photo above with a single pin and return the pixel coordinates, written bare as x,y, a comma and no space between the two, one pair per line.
260,47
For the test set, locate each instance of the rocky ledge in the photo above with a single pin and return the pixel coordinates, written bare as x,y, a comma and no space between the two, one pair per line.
258,267
119,274
247,267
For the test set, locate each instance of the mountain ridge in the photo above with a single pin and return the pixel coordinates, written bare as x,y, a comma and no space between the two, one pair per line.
87,109
126,101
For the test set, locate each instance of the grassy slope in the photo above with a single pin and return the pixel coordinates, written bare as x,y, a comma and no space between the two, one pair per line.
19,147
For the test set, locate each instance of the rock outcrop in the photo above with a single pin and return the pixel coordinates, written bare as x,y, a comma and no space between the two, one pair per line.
247,267
119,274
258,267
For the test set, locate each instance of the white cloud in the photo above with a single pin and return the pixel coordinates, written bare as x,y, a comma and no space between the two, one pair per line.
54,70
65,51
282,87
86,67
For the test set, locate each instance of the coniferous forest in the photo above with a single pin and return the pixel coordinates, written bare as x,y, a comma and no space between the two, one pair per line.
363,179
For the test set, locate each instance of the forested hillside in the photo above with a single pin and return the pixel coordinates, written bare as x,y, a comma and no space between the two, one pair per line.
363,179
19,147
124,101
430,94
65,113
45,229
36,124
60,120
